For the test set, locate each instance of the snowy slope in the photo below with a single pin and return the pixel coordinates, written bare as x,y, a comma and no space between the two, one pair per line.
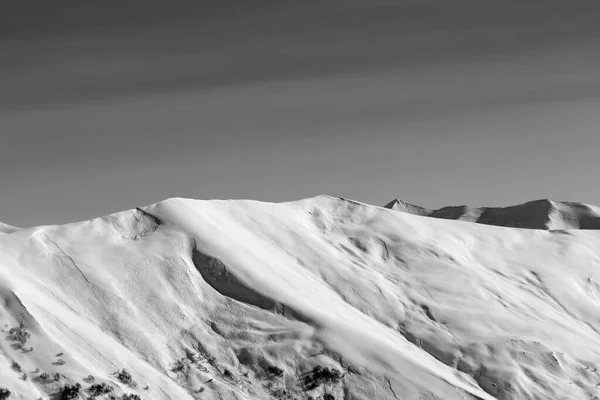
209,299
538,214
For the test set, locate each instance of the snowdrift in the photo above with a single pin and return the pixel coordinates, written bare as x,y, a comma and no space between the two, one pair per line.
318,298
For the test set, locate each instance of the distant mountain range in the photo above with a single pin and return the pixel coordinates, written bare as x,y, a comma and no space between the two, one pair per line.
538,214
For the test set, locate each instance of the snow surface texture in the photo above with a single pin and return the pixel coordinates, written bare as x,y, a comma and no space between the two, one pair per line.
242,299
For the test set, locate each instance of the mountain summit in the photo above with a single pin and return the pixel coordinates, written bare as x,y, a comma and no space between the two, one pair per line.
321,298
538,214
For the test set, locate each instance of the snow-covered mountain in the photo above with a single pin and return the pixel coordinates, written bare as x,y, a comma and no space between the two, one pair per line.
318,298
538,214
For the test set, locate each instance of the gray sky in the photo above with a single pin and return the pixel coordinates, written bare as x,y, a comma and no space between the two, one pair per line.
109,105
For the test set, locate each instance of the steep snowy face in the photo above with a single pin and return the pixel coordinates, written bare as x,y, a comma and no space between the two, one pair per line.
539,214
324,296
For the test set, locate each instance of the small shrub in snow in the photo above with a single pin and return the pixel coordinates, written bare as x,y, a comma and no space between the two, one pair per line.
19,334
16,367
131,396
69,392
274,370
60,361
125,377
321,375
181,365
4,393
57,376
99,389
45,376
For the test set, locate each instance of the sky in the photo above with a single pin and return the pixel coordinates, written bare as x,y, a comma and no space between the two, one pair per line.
106,106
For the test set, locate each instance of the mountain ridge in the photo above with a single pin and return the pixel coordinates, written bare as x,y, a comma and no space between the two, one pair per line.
240,299
577,215
6,229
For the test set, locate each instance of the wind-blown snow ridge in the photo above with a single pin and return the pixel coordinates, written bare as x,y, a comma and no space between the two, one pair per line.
538,214
6,229
243,299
